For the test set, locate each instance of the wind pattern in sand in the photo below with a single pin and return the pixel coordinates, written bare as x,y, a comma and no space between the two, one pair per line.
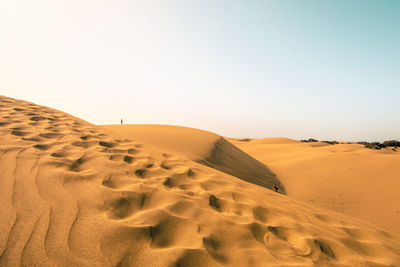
71,195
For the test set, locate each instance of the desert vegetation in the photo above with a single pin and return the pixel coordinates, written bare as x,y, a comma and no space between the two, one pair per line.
331,142
377,145
310,140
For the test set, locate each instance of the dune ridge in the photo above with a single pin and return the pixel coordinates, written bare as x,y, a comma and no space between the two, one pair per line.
72,195
203,147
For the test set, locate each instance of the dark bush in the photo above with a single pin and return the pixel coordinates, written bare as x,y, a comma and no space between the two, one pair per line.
331,142
310,140
375,145
394,143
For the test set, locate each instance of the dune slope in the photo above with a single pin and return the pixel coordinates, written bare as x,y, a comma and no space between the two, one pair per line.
346,178
203,147
71,195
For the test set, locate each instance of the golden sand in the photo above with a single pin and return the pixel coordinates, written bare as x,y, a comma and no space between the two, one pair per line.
346,178
76,194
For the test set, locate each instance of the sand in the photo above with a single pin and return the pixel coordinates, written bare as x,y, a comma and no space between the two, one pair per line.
74,194
346,178
203,147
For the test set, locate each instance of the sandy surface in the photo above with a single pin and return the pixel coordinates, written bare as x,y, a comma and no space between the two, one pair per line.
203,147
72,194
347,178
189,142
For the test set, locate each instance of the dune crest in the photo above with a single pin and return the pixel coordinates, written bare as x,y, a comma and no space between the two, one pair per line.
72,195
203,147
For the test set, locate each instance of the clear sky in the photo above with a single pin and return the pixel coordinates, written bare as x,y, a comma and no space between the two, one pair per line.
323,69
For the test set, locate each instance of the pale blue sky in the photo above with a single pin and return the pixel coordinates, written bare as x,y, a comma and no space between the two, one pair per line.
299,69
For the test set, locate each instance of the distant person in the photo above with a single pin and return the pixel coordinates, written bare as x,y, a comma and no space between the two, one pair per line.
122,121
276,188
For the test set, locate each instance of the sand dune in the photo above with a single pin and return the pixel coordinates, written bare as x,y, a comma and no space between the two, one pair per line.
203,147
71,194
347,178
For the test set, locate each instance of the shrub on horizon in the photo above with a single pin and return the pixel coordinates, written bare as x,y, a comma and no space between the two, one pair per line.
331,142
310,140
375,145
394,143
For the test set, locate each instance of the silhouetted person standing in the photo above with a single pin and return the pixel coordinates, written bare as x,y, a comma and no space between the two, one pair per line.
122,121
